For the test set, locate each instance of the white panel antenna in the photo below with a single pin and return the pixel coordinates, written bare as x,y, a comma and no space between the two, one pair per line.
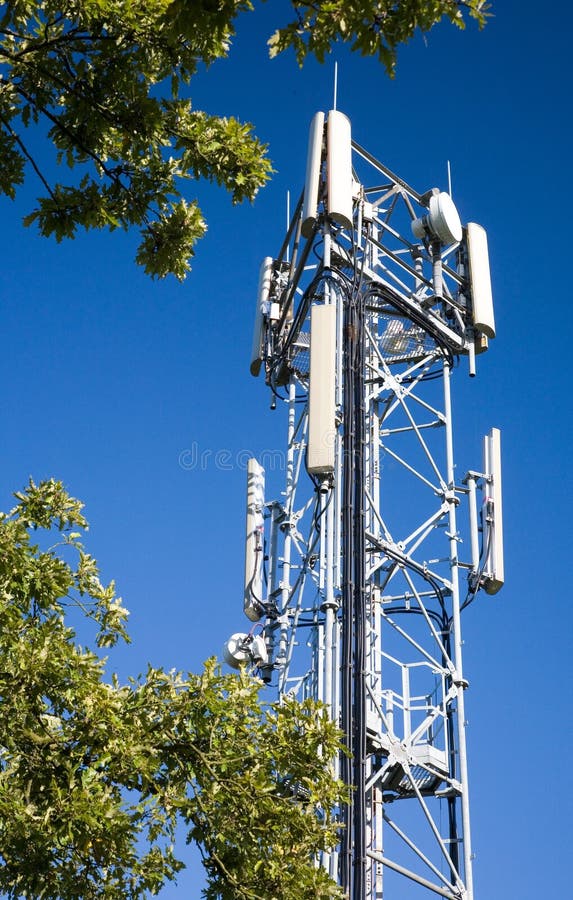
258,650
265,276
339,168
480,280
313,167
254,550
322,391
493,514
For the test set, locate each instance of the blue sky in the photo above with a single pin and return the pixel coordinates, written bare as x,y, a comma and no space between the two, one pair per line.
111,382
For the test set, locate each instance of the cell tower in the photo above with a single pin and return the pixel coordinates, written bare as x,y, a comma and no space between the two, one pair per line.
375,294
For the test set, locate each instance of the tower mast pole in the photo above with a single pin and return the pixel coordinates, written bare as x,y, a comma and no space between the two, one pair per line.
376,290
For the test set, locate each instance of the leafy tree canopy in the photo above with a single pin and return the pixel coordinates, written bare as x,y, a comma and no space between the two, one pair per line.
96,775
110,81
372,27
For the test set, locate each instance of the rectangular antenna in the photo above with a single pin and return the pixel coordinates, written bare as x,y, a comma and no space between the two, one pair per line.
480,280
263,290
322,391
254,550
339,168
313,167
493,514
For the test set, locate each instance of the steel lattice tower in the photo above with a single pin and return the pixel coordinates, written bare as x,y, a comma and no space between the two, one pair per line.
374,295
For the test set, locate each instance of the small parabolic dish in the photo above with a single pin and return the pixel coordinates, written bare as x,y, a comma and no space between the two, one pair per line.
442,222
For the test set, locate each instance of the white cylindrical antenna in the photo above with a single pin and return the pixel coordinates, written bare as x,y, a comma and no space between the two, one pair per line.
254,548
450,192
263,290
322,391
480,280
313,167
473,511
339,168
472,358
493,514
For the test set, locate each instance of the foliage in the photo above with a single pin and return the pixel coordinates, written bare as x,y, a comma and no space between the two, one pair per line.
372,27
109,79
95,776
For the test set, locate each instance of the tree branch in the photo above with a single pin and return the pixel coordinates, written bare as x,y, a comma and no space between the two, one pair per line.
29,157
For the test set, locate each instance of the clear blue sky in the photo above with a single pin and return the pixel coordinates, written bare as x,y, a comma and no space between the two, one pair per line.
108,378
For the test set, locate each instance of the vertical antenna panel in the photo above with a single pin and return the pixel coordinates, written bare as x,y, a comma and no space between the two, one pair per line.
313,166
254,551
480,280
322,398
339,168
493,514
263,291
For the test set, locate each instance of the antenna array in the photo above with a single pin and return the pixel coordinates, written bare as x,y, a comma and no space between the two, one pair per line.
376,291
